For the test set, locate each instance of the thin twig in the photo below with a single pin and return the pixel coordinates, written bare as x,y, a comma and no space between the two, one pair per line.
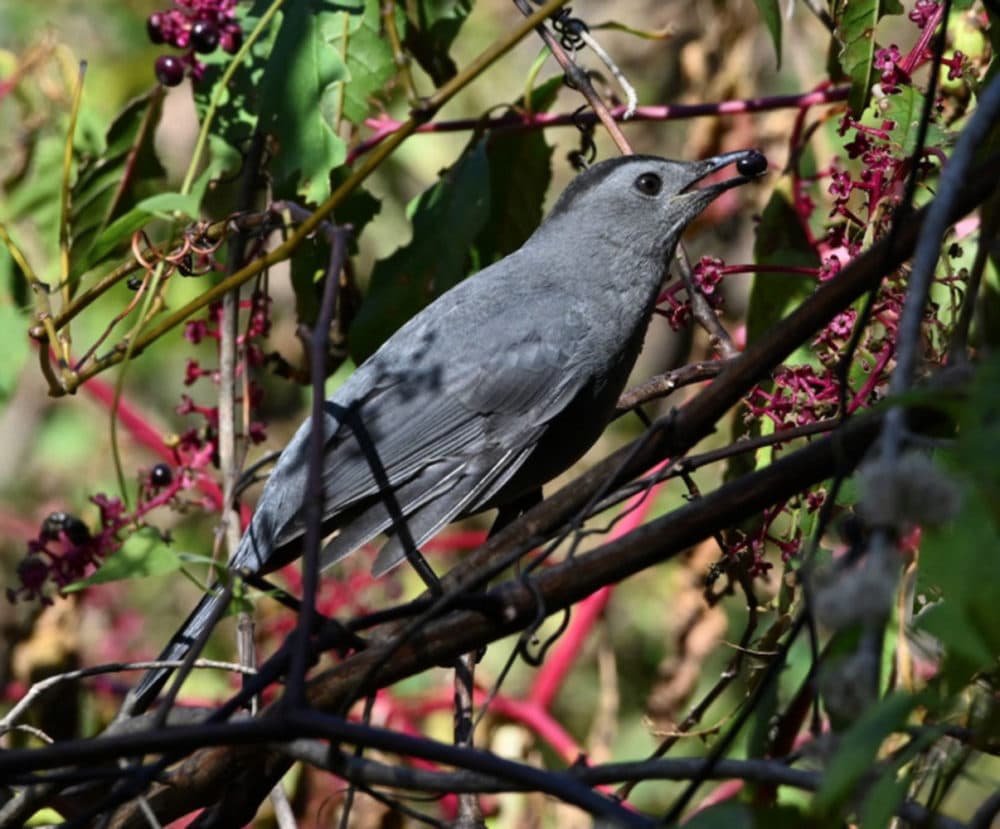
703,313
579,80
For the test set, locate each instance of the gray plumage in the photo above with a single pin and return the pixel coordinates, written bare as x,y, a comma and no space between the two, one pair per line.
494,388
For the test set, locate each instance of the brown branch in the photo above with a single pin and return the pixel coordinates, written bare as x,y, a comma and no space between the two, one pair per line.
663,384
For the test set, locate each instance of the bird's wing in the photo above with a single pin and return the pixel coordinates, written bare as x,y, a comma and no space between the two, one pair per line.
460,426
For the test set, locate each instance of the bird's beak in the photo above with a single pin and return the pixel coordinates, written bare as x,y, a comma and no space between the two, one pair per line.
750,164
692,200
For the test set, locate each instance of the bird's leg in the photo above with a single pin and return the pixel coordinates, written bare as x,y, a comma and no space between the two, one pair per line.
470,816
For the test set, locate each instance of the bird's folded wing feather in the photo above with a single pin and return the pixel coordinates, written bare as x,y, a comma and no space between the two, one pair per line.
404,416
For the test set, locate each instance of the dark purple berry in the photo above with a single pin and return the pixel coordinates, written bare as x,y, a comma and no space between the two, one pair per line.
204,36
76,531
53,524
161,475
752,164
154,28
134,283
62,522
169,70
232,40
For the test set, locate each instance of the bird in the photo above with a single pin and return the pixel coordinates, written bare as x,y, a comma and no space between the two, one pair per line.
491,390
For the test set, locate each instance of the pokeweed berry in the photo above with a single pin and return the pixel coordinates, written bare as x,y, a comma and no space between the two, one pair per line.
204,36
169,70
161,475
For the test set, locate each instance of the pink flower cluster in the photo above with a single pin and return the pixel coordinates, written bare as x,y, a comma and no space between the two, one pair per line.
707,275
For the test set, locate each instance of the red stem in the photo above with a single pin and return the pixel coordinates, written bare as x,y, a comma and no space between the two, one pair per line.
552,674
384,127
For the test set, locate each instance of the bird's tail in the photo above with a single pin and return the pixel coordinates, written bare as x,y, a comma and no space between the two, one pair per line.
204,614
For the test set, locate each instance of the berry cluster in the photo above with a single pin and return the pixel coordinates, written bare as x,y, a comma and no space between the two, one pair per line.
66,551
195,27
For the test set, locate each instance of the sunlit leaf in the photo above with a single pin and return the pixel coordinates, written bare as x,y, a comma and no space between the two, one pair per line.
369,60
143,554
856,21
300,71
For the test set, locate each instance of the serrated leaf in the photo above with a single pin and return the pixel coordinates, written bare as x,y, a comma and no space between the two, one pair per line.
430,33
446,218
855,30
108,185
299,74
143,554
770,13
858,748
368,55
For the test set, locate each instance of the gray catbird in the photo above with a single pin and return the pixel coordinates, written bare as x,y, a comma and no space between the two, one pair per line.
491,390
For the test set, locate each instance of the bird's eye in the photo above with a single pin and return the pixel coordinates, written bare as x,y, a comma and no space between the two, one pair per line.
649,184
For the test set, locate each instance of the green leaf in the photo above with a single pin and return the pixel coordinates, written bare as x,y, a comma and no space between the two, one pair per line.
955,557
858,748
856,22
172,203
447,218
312,258
770,13
429,36
882,800
781,241
235,113
520,172
905,109
118,232
108,185
14,345
185,205
143,554
359,40
727,815
298,79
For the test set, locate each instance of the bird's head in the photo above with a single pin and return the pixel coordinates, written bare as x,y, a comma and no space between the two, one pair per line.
643,203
